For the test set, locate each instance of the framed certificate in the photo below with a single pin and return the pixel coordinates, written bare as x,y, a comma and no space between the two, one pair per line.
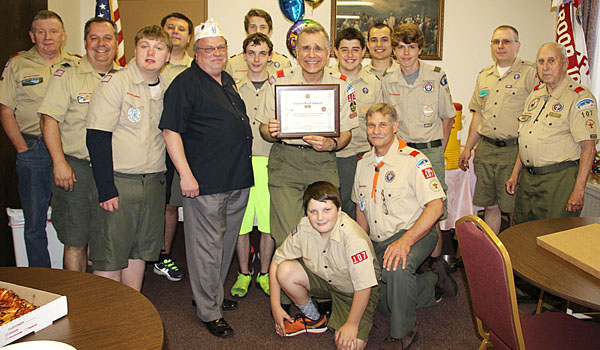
308,110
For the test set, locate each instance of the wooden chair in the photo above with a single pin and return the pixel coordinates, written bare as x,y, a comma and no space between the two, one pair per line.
490,276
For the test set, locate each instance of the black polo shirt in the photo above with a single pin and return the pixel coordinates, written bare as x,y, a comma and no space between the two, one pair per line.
216,134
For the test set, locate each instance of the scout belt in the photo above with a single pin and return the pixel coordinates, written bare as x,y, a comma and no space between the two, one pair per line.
543,170
424,145
501,143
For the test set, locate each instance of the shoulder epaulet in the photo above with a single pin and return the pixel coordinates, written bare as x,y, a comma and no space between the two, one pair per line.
65,65
538,86
16,54
280,73
77,55
343,77
578,89
414,153
486,68
437,69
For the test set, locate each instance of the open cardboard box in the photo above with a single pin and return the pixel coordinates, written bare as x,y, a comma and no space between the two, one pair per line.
50,308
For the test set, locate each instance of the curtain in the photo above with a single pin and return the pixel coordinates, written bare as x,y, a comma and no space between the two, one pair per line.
590,11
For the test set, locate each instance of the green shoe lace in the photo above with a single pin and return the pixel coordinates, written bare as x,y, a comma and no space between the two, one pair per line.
263,282
240,288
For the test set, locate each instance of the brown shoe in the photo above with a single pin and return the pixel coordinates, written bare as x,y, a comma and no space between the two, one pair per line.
401,344
446,285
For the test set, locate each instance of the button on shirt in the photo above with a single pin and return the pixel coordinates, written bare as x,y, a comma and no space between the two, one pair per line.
552,125
214,128
500,100
252,98
123,105
67,99
346,261
23,86
394,197
238,68
422,106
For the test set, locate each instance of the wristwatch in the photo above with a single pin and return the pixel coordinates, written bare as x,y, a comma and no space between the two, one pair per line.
334,145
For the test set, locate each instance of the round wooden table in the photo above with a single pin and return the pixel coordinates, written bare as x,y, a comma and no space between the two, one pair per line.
546,270
103,314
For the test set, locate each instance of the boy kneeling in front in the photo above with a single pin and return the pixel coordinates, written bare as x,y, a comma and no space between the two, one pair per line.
329,256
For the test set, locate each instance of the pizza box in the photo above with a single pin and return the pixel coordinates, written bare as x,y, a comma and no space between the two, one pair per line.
51,307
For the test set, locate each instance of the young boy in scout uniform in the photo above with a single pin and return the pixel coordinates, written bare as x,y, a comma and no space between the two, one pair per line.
256,21
329,252
350,50
63,121
22,88
128,161
258,51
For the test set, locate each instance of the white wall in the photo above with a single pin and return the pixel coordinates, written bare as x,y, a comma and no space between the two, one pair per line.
74,15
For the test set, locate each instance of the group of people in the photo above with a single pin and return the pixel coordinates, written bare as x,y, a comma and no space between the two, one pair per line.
351,218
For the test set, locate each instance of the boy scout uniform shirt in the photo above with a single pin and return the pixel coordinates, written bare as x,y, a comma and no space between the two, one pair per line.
123,105
346,261
238,68
67,100
394,67
348,109
367,88
394,197
252,98
422,106
552,125
500,99
171,70
23,85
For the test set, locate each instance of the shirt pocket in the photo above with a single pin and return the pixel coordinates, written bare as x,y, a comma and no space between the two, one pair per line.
31,85
133,113
428,109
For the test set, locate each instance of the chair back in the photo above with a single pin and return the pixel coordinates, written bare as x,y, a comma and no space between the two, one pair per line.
490,276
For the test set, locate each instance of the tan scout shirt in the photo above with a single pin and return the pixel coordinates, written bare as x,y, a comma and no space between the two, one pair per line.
170,70
252,98
422,106
367,88
122,104
500,99
238,68
348,111
394,198
67,100
23,85
552,125
394,67
346,261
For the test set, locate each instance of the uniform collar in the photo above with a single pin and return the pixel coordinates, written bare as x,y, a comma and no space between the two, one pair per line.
514,68
34,55
86,66
336,233
244,81
560,89
186,62
360,76
389,158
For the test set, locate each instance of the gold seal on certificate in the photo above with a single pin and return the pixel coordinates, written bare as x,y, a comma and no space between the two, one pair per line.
308,110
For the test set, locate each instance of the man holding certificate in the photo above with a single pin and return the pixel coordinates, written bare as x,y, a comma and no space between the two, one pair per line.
295,163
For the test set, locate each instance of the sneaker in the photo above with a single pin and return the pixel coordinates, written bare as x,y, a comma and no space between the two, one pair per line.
240,287
302,324
167,268
445,284
262,282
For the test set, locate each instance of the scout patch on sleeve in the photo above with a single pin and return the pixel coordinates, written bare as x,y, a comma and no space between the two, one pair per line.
435,185
360,257
590,125
585,104
428,173
444,80
423,163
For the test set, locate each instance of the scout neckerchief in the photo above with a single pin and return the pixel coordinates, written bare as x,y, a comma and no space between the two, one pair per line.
401,144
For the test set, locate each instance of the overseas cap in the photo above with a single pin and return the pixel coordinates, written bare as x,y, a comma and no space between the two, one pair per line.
208,29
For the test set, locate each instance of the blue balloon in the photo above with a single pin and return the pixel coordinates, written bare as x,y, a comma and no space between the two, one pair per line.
292,9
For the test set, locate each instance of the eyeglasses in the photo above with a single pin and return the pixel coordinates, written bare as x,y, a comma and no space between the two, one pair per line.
211,49
503,41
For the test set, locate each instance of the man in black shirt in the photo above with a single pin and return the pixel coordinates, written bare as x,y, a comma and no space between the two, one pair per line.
209,140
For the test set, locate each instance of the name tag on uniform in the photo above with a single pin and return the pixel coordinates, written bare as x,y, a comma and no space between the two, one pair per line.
554,115
32,81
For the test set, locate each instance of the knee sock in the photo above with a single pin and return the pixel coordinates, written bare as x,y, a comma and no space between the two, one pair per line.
310,310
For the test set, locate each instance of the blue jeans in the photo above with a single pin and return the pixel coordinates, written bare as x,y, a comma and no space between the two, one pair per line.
33,170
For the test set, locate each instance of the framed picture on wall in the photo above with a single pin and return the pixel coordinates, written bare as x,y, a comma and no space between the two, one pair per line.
362,14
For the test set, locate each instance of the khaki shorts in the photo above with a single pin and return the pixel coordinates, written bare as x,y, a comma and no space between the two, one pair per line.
259,201
341,303
493,166
75,214
176,199
136,230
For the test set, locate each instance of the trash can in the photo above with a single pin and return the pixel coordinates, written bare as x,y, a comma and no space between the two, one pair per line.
55,247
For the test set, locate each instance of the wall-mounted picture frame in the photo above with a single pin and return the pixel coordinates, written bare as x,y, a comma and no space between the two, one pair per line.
362,14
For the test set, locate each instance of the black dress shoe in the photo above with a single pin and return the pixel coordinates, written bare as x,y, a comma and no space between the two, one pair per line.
229,305
219,328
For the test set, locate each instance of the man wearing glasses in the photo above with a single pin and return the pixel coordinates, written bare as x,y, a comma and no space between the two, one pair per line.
209,140
498,99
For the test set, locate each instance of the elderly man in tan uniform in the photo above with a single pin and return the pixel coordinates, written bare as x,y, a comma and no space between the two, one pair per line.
296,163
398,201
498,99
63,115
380,49
256,21
558,131
128,161
350,50
22,88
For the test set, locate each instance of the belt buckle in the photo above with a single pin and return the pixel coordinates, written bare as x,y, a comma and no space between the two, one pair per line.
530,170
500,143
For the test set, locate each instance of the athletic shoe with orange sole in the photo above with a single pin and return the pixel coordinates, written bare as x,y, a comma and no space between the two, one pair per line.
302,324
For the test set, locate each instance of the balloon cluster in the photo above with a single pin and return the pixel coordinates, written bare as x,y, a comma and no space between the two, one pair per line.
294,11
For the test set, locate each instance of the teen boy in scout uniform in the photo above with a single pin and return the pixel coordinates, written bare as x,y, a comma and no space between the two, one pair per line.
22,88
256,21
380,49
258,50
399,199
128,161
350,50
63,120
500,93
558,130
327,255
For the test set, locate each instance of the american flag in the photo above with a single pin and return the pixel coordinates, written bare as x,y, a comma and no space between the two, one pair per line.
110,9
